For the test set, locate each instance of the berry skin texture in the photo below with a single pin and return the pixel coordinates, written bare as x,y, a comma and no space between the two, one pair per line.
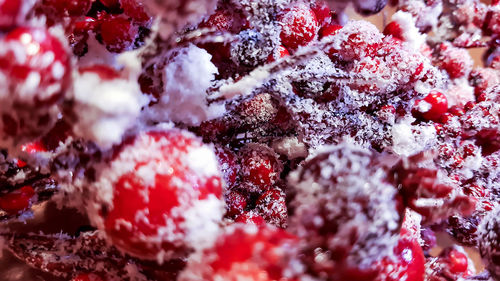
87,277
18,200
409,262
394,29
260,168
32,45
299,26
166,194
69,7
244,252
118,33
432,107
9,11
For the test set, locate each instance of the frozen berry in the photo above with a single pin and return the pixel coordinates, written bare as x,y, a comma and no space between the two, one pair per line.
457,62
260,168
432,107
322,12
250,217
394,29
236,203
87,277
299,26
118,33
68,7
17,200
245,252
272,207
9,12
279,53
165,194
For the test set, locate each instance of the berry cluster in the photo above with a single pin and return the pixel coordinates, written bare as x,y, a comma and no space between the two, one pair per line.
251,140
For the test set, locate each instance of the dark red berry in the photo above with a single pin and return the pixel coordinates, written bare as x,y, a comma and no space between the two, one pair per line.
17,200
260,168
432,107
69,7
9,13
299,26
118,33
236,203
272,207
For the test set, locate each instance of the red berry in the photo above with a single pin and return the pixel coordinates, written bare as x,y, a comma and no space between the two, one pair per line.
432,107
260,168
31,148
221,20
250,217
87,277
228,165
408,263
40,71
279,53
69,7
17,200
166,194
245,252
330,29
360,39
272,207
118,33
136,11
299,26
457,62
456,110
9,13
322,12
457,261
394,29
104,72
235,203
113,4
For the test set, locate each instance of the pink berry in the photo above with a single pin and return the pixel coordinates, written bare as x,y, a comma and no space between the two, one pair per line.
9,13
118,33
432,107
299,26
17,200
162,184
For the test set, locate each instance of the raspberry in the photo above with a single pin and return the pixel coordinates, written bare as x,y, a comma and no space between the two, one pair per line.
9,13
432,107
18,200
245,252
299,26
118,33
174,197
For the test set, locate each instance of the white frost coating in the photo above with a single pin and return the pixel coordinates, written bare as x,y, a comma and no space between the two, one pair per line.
291,147
105,108
411,34
408,140
460,92
247,84
187,77
201,160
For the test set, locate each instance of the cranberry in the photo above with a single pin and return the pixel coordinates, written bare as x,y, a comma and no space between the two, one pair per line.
111,3
69,7
118,33
329,30
87,277
136,11
236,203
457,62
9,13
165,184
394,29
228,164
299,26
260,168
279,53
245,252
457,261
272,206
432,107
322,12
250,217
456,110
408,263
17,200
360,39
31,46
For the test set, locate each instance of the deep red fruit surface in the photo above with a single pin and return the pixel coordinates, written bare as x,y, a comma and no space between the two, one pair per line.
272,207
408,263
87,277
299,26
136,11
32,46
118,33
69,7
322,12
259,168
31,148
330,29
105,72
250,217
432,107
394,29
245,252
457,261
281,52
235,203
164,181
9,11
18,200
111,3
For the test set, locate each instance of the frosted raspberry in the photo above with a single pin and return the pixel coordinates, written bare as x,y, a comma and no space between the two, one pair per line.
245,252
299,26
322,12
161,195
